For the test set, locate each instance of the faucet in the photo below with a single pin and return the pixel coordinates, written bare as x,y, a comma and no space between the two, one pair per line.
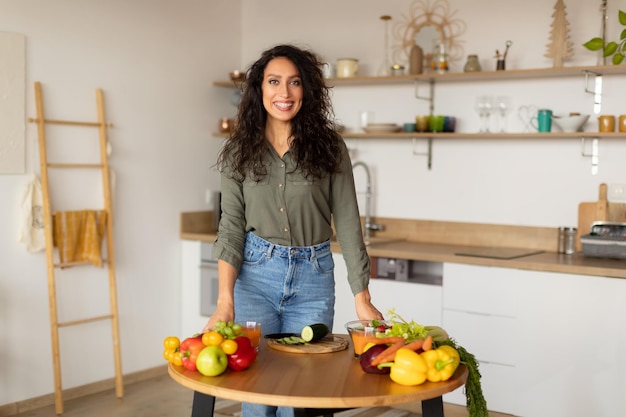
369,226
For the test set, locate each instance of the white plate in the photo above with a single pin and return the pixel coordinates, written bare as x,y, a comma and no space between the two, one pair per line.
382,128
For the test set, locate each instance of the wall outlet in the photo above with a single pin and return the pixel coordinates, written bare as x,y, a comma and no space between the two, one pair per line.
616,192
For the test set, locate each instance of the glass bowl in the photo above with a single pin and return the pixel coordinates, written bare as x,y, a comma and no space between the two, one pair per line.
363,331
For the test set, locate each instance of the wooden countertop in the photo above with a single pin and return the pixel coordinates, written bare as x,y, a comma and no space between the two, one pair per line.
443,241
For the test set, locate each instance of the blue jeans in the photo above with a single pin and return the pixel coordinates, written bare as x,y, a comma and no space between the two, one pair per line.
284,288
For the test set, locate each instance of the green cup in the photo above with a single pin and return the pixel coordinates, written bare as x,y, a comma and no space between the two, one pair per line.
436,123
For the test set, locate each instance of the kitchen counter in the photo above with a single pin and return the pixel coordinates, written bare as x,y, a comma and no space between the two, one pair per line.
443,242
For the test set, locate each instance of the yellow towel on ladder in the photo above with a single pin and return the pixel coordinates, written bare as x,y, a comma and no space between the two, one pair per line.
78,235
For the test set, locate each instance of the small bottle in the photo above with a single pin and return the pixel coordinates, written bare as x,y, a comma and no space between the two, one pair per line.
567,240
472,64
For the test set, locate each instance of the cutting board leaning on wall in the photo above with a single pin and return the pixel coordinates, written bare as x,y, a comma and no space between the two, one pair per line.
598,211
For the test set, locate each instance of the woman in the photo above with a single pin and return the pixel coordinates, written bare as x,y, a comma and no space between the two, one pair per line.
286,176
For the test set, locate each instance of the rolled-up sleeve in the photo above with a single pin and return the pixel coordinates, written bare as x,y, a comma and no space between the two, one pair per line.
231,232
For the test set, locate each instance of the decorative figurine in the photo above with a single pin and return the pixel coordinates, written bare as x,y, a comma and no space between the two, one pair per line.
560,46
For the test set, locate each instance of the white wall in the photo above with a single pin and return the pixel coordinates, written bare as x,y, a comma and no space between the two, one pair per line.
156,60
536,182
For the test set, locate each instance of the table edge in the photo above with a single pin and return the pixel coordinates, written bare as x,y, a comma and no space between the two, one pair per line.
426,391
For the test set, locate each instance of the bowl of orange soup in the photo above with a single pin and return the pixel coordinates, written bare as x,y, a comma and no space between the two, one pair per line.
364,331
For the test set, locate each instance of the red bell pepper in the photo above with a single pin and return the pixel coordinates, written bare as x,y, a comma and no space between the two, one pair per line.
243,356
189,349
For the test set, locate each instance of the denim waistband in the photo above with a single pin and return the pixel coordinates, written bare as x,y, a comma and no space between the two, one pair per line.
286,251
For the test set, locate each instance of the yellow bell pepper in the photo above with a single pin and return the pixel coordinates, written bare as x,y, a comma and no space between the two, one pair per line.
441,362
408,368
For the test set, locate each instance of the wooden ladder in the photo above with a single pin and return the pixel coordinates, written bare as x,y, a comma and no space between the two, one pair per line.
41,122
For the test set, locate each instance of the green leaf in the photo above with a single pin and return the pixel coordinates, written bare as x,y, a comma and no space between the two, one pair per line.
610,49
618,59
623,35
622,17
594,44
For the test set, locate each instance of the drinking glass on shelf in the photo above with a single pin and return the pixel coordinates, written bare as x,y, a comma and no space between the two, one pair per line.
484,106
502,104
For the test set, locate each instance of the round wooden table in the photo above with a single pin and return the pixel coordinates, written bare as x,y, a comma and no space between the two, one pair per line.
314,384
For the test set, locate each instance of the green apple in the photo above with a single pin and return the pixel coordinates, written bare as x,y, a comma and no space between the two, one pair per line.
211,361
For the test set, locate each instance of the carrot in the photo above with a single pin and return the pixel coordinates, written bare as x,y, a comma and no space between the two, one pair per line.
424,344
388,354
415,345
428,343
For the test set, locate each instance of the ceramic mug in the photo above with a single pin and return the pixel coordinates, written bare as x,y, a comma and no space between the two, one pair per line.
542,121
606,123
621,126
347,67
409,127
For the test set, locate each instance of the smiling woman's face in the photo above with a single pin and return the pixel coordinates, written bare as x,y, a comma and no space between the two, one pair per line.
282,90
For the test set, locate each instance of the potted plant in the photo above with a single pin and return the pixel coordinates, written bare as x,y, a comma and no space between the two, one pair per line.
615,49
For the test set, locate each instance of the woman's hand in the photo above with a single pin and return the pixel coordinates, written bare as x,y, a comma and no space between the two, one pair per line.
225,310
365,310
224,314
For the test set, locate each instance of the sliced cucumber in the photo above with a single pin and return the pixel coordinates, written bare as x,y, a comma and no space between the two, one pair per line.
290,340
314,332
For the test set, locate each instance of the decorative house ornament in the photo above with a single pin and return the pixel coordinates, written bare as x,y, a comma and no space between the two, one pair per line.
560,46
428,24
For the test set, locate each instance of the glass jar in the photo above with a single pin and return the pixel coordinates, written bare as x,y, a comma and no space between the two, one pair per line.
472,64
439,61
567,240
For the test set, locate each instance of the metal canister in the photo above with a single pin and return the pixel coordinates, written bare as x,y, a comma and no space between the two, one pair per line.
567,240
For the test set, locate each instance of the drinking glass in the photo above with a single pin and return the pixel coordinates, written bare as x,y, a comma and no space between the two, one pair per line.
484,107
502,104
252,330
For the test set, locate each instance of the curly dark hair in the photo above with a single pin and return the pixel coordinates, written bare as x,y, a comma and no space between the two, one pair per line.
316,142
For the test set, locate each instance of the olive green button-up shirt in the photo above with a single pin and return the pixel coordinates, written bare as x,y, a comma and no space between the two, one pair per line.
287,209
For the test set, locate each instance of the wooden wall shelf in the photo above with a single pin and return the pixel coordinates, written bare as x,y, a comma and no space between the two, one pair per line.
461,135
514,74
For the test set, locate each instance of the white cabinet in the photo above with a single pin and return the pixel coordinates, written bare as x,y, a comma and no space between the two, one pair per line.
548,344
574,339
480,311
411,300
344,300
196,276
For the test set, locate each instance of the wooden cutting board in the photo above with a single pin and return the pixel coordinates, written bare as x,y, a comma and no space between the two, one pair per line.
599,211
333,343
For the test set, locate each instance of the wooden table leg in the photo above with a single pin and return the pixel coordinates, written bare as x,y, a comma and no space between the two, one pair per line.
203,405
432,407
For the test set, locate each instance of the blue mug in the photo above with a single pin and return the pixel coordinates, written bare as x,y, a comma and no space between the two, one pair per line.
449,123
